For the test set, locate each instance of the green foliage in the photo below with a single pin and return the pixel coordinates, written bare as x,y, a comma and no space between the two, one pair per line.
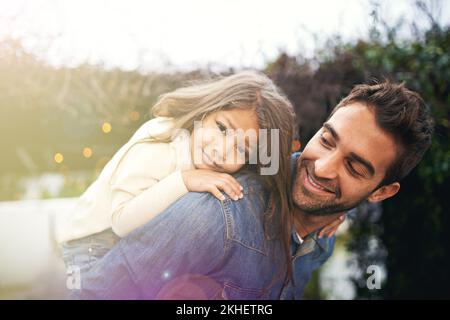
312,290
45,110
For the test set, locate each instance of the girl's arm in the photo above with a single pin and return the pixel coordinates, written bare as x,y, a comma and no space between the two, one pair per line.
139,193
143,186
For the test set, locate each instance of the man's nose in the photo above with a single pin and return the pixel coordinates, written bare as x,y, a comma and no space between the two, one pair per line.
326,167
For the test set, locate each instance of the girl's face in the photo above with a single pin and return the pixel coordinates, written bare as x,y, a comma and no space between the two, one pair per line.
225,140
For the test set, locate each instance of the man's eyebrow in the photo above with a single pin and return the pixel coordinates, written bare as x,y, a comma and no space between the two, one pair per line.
331,130
364,162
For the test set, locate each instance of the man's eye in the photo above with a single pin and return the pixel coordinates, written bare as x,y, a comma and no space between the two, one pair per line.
325,141
353,171
221,127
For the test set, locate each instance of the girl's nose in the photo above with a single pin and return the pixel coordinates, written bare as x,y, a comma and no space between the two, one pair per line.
230,148
217,150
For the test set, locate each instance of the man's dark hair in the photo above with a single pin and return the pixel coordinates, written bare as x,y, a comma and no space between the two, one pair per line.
404,115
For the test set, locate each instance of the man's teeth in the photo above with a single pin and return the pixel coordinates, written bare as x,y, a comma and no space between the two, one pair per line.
316,185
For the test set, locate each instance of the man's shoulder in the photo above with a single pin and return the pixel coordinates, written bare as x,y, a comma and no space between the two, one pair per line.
245,217
195,219
245,212
239,222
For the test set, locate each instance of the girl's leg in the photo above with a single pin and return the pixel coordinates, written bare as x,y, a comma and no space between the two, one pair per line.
80,255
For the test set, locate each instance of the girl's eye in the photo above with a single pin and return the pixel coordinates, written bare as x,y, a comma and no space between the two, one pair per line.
222,128
241,150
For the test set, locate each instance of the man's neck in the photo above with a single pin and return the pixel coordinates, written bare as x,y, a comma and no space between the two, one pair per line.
306,224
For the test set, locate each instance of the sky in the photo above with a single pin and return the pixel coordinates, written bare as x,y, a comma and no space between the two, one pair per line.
183,35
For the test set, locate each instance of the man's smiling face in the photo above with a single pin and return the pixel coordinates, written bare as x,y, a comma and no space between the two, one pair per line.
344,163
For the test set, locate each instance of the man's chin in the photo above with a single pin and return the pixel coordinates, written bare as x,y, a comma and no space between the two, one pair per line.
317,211
312,206
324,209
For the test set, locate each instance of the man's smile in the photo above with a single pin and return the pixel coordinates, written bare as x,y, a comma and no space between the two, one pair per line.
315,187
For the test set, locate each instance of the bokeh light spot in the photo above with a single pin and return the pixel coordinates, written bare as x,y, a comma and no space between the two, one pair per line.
87,152
59,158
106,127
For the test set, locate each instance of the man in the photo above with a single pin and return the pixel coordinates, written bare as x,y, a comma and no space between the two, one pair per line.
207,249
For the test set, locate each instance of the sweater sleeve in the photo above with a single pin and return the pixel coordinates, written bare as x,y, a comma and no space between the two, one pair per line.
144,186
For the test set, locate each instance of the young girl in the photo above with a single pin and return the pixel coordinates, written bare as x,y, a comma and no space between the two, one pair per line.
160,164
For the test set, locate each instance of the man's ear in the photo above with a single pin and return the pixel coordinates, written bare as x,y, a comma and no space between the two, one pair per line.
384,192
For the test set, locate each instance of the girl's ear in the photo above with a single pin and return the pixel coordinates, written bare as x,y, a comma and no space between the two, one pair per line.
384,192
296,145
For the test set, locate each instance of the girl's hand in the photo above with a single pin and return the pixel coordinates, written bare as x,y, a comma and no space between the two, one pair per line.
330,229
203,180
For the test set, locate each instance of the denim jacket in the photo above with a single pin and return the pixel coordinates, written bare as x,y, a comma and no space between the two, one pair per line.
204,248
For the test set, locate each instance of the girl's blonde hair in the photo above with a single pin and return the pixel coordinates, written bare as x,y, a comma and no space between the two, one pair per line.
244,90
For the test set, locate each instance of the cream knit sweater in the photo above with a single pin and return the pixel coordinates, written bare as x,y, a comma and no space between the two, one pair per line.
141,180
